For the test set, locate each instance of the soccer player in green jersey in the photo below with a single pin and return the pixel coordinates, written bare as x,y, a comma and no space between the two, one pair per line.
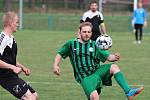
85,58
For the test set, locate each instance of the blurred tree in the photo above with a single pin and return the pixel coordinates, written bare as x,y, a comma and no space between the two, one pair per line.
31,4
81,4
65,3
43,1
43,8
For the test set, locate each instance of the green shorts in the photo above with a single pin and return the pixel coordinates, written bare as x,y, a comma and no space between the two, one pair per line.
95,81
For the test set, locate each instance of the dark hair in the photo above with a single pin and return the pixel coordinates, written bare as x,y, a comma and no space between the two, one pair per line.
93,1
85,24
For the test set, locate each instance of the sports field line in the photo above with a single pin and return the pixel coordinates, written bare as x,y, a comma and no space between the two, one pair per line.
70,83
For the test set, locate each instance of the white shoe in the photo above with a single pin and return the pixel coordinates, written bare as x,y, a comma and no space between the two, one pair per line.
139,42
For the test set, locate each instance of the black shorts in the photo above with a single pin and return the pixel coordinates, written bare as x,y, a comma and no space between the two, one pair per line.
138,26
16,86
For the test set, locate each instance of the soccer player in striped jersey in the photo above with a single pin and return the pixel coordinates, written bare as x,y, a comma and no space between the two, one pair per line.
96,18
85,58
9,66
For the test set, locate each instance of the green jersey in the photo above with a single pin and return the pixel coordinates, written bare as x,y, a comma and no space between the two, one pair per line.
85,57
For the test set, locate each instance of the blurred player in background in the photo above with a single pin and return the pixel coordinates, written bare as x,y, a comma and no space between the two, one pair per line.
96,18
139,20
9,66
85,58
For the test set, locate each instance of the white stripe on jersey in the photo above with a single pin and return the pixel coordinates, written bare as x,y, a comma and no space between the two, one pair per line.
5,40
91,14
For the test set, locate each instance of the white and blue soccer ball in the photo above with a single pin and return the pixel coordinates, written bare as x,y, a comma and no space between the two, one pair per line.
104,42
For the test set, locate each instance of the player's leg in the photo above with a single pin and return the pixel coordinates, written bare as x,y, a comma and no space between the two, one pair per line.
89,85
33,92
119,77
17,87
136,32
36,96
94,95
141,33
28,96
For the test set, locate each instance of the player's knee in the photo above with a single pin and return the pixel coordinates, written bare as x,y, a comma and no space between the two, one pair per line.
28,96
36,96
94,96
114,69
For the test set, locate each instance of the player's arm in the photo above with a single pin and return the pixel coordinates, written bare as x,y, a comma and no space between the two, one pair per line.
56,65
3,64
113,57
24,69
10,66
133,19
103,28
63,52
145,23
145,18
102,24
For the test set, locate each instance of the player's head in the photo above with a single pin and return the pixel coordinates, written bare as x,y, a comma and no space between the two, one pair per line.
93,5
11,20
85,31
140,5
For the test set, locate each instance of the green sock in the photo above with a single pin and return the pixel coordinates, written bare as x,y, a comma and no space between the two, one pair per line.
119,77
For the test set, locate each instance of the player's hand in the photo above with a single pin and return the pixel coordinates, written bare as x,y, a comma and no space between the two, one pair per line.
117,56
132,22
106,48
145,24
16,70
105,34
56,70
26,71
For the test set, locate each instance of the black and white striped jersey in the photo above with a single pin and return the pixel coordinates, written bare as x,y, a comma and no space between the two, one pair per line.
8,50
96,18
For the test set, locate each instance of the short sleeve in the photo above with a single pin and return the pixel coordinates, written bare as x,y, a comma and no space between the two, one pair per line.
3,44
101,16
65,50
101,20
84,17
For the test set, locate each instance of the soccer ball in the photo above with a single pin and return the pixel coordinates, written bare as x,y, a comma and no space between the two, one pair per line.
104,42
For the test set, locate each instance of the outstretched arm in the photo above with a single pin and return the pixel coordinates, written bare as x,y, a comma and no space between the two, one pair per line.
113,57
24,69
56,66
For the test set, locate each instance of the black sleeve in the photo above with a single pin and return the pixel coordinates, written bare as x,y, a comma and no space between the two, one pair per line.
81,21
0,56
101,21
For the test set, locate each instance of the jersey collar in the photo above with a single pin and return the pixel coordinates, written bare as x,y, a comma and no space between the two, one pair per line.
10,37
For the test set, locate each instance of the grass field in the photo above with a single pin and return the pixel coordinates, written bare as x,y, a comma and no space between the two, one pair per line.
37,50
62,21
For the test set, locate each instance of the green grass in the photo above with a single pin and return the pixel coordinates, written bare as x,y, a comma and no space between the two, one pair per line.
37,49
63,22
